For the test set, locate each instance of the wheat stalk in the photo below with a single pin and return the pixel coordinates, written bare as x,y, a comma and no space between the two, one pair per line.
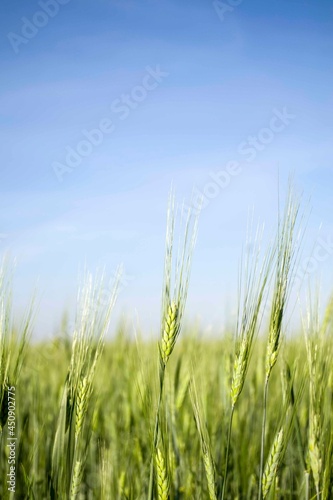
91,325
204,442
319,370
173,301
287,249
249,318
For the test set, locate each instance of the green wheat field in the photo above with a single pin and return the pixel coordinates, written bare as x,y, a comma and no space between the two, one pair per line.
245,414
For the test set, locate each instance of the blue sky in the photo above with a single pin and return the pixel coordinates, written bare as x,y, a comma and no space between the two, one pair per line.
180,92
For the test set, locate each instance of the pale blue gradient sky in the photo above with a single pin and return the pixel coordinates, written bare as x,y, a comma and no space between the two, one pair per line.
225,78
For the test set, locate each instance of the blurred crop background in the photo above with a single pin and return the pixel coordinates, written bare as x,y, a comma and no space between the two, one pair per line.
226,68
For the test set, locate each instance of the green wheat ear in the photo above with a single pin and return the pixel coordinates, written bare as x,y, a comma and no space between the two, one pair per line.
82,397
273,463
177,269
170,332
162,476
76,482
